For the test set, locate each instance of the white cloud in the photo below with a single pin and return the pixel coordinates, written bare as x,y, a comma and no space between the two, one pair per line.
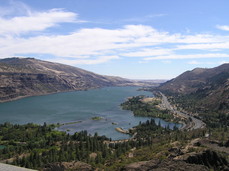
148,52
167,62
193,56
144,18
90,44
223,62
81,43
194,62
96,45
99,60
36,21
223,27
204,46
14,8
143,62
155,15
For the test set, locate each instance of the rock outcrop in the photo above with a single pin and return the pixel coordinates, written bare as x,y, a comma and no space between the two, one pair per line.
164,165
210,159
204,160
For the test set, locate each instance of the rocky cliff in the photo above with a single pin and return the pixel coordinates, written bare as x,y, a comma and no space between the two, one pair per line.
21,77
209,158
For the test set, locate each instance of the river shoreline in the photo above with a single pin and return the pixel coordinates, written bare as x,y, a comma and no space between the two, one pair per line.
45,94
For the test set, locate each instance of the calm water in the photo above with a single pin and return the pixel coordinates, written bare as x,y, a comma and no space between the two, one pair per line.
78,106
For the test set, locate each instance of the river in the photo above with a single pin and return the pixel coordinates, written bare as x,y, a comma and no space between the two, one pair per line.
78,106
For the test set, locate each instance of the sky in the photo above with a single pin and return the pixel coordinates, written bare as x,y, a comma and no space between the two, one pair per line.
136,39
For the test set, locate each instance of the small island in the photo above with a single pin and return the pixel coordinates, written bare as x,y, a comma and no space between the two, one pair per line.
96,118
67,123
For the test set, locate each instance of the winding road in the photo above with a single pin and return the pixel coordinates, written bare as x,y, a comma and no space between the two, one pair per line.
192,122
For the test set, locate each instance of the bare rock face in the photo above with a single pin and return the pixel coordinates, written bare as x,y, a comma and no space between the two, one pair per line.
62,166
210,159
21,77
204,160
164,165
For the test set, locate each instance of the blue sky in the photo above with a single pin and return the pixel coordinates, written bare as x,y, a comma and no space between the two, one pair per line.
137,39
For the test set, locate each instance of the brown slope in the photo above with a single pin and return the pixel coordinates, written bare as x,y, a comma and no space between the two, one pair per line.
209,87
191,81
21,77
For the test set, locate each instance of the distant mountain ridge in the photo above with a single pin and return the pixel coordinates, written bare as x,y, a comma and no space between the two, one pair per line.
21,77
209,87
